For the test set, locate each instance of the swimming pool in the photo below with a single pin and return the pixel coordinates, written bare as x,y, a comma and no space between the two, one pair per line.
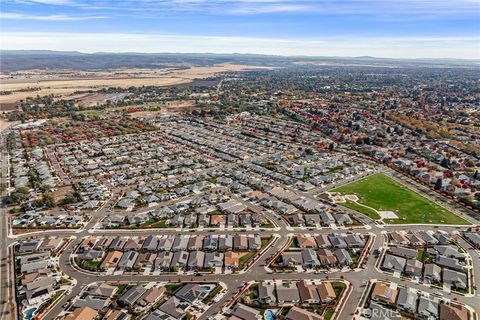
29,313
269,314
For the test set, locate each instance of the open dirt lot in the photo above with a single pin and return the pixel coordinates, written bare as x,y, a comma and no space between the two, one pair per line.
63,84
4,124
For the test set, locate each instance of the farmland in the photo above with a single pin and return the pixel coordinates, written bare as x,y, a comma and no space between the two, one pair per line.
64,83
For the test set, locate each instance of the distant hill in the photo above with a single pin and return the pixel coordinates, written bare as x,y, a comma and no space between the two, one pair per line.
14,60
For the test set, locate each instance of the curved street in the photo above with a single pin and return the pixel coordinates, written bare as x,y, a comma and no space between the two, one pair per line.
282,233
358,278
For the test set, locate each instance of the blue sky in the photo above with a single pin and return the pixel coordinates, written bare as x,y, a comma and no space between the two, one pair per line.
383,28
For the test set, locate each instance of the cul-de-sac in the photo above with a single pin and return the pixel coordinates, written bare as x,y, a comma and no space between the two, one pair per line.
247,191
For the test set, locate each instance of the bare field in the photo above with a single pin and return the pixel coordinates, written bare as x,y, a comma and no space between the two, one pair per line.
171,107
66,87
61,192
63,84
3,124
90,99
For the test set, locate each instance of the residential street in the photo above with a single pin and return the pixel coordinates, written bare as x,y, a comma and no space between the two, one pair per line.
357,278
282,233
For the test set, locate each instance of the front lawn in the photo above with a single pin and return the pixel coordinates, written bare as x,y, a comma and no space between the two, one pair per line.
382,193
91,265
245,258
64,281
264,241
57,295
421,255
159,224
328,313
171,288
338,287
121,289
294,243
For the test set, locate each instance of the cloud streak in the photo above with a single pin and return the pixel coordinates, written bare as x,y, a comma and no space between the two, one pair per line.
269,8
47,2
389,28
51,17
251,7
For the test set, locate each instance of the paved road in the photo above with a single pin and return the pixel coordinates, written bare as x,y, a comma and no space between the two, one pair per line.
64,179
256,271
6,303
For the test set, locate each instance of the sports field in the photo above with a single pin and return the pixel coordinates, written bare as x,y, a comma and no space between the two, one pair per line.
381,193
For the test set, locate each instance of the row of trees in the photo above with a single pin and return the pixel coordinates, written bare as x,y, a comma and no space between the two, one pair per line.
20,195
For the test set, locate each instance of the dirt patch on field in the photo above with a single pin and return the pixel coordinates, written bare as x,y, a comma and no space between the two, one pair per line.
91,99
3,124
63,83
179,106
171,107
63,88
8,106
146,114
20,230
61,192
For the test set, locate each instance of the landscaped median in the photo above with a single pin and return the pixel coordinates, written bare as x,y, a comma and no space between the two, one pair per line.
382,198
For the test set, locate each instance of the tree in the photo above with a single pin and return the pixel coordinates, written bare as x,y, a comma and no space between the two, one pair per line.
68,199
73,197
455,182
445,163
23,190
17,197
331,147
48,200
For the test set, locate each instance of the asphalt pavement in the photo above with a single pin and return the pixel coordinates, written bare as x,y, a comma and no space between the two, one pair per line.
256,271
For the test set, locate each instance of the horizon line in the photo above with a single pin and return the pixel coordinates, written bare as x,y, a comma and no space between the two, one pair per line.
240,53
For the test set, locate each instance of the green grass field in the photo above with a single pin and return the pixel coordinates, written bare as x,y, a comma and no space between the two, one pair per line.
382,193
366,211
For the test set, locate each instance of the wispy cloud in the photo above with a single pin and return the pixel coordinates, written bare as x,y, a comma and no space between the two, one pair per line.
51,17
48,2
257,8
337,7
390,28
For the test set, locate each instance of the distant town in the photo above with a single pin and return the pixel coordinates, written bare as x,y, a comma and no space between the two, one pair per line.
298,189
